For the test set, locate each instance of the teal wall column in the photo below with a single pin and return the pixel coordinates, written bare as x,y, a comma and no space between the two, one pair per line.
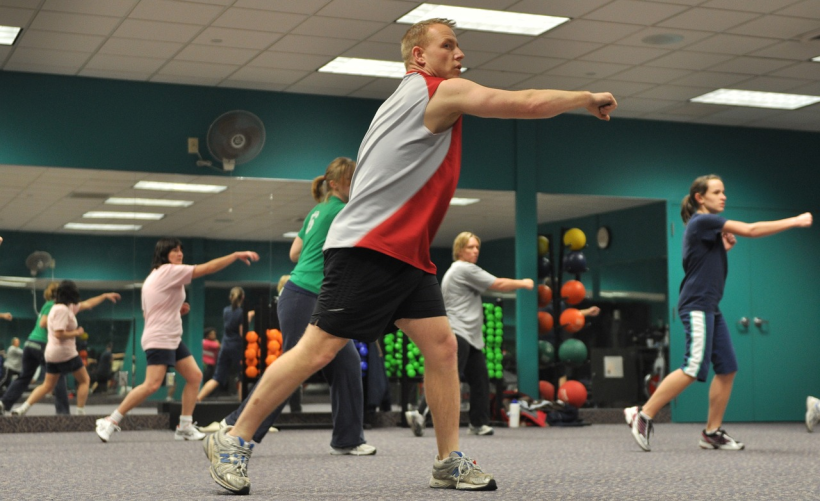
526,253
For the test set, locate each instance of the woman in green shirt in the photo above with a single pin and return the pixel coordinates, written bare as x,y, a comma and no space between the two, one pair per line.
34,357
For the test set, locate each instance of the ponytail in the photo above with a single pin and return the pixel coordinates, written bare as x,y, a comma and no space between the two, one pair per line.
340,168
236,297
689,205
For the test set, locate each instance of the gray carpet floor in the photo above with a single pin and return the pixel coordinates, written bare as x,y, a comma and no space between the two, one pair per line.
781,461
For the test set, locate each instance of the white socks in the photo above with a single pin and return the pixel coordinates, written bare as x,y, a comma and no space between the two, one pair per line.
116,417
81,411
185,421
23,407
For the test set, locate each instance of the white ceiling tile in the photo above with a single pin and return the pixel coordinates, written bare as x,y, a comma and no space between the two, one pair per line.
141,48
476,58
301,44
112,62
70,59
775,27
41,68
198,69
206,79
588,69
392,33
481,4
490,42
681,2
686,60
791,50
674,92
230,37
116,8
523,64
689,37
496,79
338,28
115,75
346,83
5,51
276,77
249,85
639,105
176,12
301,88
381,88
624,54
648,74
807,8
84,24
551,47
563,8
16,17
622,89
383,10
300,7
711,79
731,44
635,12
708,19
811,89
592,31
554,82
750,65
375,50
692,110
802,70
66,41
155,30
303,62
214,54
796,119
775,84
763,6
246,19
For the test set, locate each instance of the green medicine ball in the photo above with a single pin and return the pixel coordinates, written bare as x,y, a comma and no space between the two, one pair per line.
572,351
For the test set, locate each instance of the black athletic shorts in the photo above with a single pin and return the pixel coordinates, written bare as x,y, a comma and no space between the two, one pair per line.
365,291
156,356
67,367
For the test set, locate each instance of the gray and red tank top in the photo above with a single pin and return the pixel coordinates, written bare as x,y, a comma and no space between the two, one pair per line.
404,180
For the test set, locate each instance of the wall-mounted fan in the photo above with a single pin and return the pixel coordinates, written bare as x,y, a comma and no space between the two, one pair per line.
234,138
39,261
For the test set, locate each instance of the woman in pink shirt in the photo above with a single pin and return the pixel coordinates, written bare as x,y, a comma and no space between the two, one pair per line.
163,304
61,350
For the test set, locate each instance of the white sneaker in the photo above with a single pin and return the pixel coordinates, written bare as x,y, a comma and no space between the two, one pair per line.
211,428
2,409
482,430
812,412
416,422
640,425
106,428
19,411
359,450
190,432
629,414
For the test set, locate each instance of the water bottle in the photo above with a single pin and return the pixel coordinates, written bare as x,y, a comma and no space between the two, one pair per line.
515,414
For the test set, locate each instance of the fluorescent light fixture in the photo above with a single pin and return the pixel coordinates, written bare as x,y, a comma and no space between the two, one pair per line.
193,188
102,227
98,214
291,234
8,34
464,201
816,59
485,20
149,202
7,283
367,67
756,99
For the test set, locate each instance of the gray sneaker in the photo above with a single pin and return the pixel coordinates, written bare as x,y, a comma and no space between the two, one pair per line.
229,460
812,412
457,471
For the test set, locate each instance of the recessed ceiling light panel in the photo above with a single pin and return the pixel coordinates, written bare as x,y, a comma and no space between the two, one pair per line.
189,187
498,21
756,99
9,34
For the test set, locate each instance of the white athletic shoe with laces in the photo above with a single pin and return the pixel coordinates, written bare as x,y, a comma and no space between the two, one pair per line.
189,432
416,421
359,450
812,412
106,428
482,430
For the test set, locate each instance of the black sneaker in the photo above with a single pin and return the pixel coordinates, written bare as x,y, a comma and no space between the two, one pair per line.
719,440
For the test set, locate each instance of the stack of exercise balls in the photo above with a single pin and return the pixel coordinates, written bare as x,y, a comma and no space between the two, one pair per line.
252,354
361,347
274,338
574,260
493,331
544,264
402,356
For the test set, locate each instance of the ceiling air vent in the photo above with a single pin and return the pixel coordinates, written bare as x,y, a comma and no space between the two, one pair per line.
86,195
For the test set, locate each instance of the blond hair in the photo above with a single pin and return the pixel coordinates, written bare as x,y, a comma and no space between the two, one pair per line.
417,36
236,297
281,285
340,168
689,205
51,291
461,242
